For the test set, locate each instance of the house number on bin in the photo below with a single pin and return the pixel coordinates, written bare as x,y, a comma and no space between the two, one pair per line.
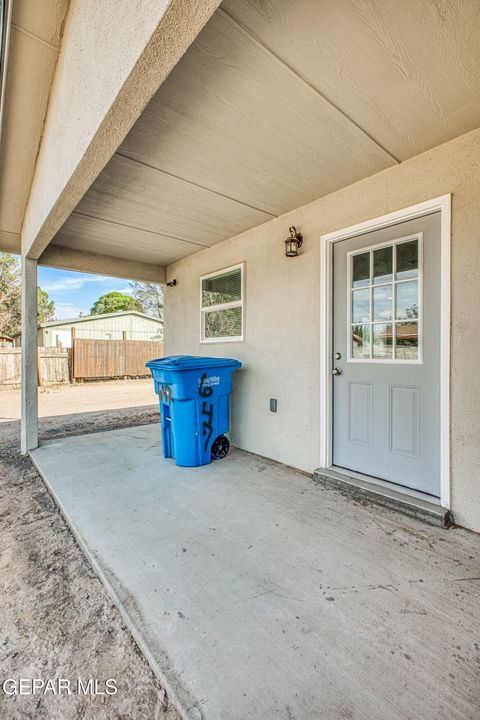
205,391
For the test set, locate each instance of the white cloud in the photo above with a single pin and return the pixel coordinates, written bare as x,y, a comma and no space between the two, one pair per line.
75,283
65,311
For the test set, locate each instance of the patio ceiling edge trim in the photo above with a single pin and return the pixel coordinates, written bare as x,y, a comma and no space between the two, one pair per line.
81,261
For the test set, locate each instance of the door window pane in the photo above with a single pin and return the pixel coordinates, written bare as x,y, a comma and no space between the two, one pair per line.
361,341
382,303
407,341
382,265
407,260
383,341
407,301
223,323
385,301
360,306
361,270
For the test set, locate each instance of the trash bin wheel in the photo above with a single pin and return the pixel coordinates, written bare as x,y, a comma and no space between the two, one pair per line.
220,447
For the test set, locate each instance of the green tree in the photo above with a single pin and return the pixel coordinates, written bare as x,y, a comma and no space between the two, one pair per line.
11,297
115,302
45,306
412,312
150,296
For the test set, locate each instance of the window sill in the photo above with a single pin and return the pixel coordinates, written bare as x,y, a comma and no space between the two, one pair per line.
213,341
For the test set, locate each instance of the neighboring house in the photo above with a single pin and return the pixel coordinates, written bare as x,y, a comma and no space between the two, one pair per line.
127,325
5,341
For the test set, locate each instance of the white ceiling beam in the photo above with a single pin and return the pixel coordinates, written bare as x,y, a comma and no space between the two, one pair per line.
88,262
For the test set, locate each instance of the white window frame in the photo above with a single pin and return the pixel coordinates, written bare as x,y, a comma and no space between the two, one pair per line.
393,283
223,306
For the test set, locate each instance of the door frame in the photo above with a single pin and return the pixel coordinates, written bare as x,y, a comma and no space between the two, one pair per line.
442,204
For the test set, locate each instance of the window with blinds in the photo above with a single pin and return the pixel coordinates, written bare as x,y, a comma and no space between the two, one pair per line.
221,312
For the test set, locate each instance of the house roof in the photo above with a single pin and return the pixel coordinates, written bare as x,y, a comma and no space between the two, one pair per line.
86,318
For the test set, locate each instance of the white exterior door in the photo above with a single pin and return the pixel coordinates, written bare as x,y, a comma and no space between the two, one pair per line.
386,354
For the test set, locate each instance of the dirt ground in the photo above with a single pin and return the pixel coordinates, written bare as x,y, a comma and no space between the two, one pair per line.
57,620
82,397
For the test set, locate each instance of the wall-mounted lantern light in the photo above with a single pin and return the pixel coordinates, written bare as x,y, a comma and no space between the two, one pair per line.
293,242
172,283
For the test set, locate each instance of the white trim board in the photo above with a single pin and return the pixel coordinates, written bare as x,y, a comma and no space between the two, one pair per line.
442,204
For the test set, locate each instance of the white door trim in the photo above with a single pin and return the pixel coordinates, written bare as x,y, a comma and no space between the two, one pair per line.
443,204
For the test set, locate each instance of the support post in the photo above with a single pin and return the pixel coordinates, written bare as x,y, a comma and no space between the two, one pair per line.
29,399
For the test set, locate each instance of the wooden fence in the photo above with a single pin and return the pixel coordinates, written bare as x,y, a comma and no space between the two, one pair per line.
86,360
52,365
112,358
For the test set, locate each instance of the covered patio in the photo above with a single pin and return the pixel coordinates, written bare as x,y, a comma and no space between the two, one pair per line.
255,592
187,142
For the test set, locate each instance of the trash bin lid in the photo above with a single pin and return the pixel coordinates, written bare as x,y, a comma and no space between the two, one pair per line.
192,362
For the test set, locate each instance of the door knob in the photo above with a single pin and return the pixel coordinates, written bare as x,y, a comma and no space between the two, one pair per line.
336,371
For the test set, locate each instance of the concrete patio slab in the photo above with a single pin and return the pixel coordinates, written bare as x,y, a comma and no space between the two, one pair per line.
256,593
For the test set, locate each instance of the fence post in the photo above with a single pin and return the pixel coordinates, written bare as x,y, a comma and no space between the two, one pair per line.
72,358
39,368
125,351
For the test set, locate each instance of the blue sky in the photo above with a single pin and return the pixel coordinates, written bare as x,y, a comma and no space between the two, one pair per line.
74,292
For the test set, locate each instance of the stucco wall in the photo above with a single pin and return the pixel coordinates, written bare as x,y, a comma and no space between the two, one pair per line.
281,349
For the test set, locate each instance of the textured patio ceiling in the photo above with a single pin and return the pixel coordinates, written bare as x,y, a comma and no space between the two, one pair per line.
274,105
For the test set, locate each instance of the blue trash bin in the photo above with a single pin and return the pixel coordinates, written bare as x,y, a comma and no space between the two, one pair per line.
194,394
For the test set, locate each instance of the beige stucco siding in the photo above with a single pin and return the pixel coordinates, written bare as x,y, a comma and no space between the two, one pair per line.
281,348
